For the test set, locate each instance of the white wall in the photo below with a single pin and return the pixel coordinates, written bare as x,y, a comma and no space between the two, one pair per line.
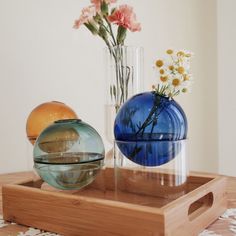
227,86
42,59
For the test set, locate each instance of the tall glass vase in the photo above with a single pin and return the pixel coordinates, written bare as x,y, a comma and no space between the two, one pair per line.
124,78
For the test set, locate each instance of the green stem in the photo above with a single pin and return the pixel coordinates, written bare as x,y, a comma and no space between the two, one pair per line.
150,119
111,31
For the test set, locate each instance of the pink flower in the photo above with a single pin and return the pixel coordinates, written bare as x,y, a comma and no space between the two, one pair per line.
125,17
97,3
86,16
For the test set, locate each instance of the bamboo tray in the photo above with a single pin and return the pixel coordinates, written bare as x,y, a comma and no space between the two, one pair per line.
100,209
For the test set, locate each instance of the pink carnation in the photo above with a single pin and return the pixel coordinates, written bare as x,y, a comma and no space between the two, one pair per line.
125,17
87,15
97,3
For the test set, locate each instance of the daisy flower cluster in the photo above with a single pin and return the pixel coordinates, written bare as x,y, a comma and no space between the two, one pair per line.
173,74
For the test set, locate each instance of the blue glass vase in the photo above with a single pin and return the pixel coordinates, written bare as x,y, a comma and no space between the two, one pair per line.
68,154
148,128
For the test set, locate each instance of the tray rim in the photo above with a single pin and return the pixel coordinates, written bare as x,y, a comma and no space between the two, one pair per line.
170,219
119,204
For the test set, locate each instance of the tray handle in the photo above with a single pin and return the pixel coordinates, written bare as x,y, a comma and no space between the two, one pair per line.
199,206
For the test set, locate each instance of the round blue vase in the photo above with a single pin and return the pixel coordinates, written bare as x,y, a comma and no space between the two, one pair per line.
148,129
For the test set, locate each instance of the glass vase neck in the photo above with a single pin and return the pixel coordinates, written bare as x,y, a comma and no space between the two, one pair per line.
124,73
124,78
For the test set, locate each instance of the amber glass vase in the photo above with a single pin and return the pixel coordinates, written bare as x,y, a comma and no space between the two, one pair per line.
40,118
44,115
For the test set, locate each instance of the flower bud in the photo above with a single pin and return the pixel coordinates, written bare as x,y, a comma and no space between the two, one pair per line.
102,32
104,8
121,34
92,27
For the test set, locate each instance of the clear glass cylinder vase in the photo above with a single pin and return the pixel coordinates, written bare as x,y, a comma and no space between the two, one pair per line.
124,78
143,182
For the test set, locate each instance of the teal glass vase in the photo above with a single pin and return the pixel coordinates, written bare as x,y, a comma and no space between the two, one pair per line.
68,154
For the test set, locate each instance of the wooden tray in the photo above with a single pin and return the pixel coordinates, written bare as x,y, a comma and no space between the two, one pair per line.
101,209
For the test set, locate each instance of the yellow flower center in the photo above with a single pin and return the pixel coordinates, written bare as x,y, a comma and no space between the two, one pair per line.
188,55
186,77
159,63
169,51
161,71
180,53
164,78
176,82
181,70
184,90
171,67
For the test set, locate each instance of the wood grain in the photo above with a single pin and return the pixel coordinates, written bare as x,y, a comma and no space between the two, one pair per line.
128,211
219,227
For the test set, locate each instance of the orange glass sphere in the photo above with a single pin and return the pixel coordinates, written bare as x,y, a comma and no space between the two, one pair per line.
44,115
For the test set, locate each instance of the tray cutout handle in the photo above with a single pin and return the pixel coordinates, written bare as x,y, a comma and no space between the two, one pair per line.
201,205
